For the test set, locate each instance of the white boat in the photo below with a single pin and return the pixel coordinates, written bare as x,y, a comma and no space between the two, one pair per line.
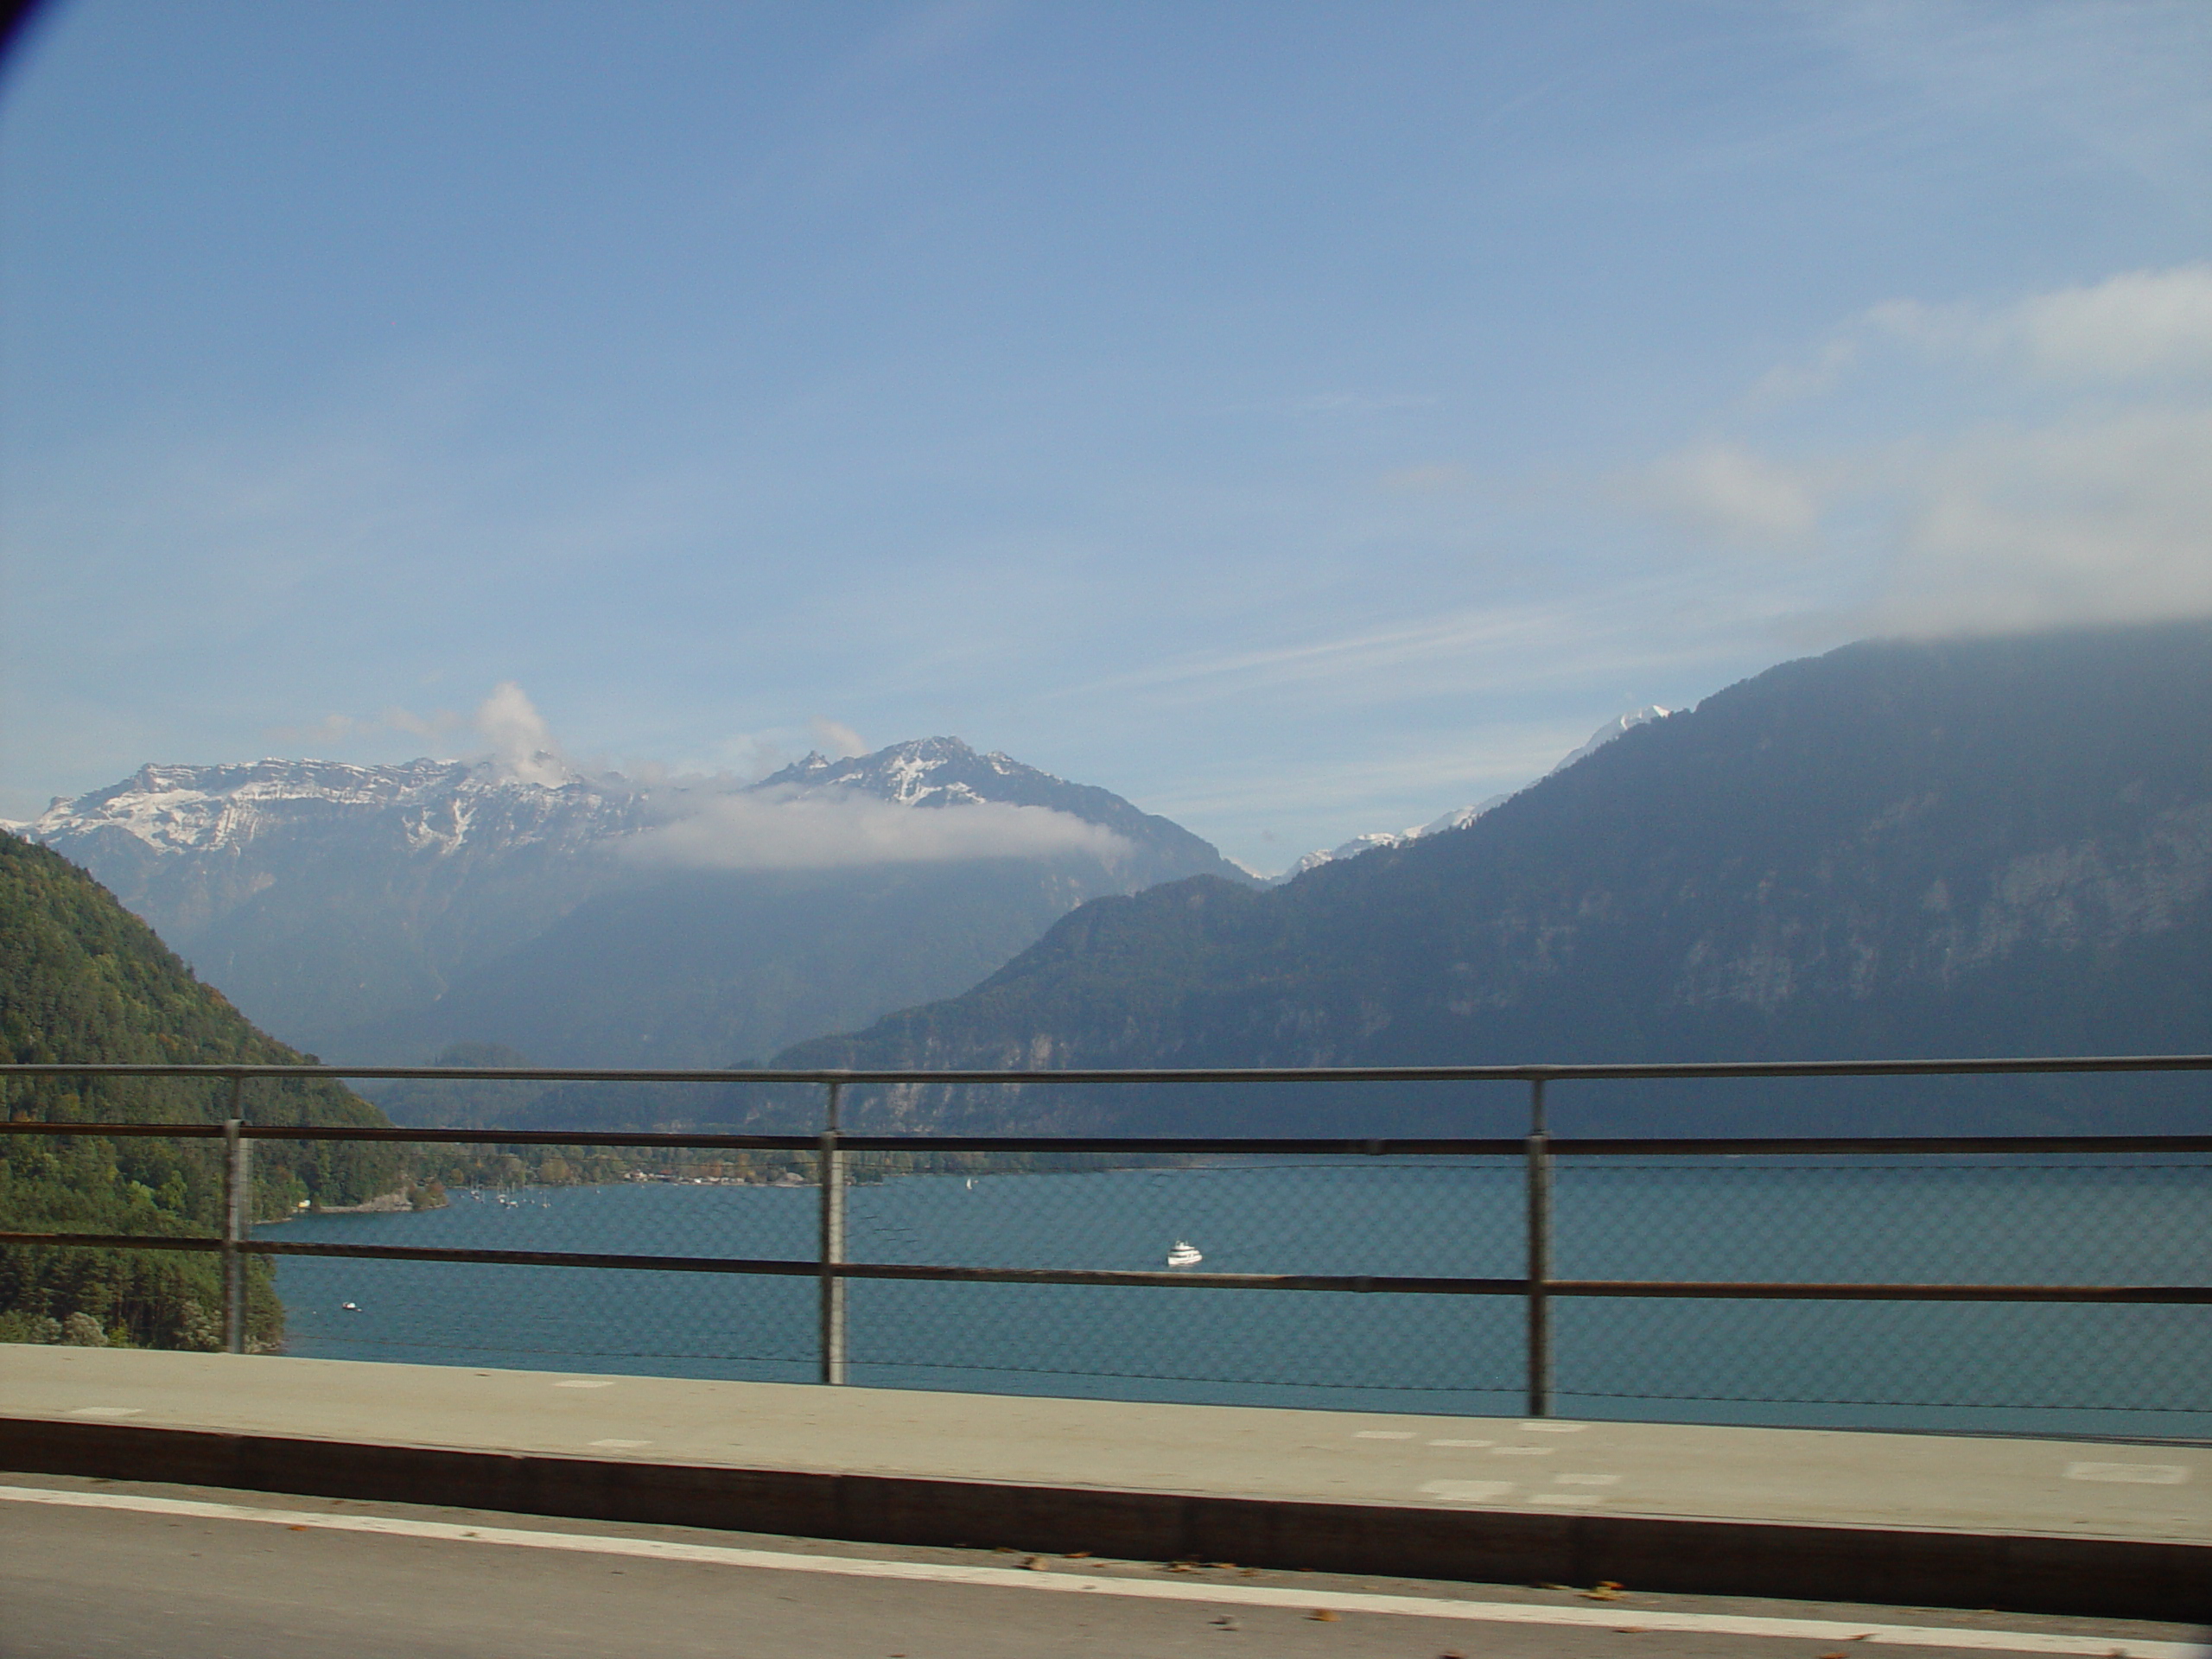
1184,1254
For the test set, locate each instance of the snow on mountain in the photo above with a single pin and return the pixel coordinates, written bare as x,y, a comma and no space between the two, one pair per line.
1613,728
422,806
928,771
438,806
390,909
1460,817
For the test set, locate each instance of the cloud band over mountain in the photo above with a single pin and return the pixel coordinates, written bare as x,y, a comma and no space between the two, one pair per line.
790,830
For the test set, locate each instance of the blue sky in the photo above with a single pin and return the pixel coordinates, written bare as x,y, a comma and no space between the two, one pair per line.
1300,419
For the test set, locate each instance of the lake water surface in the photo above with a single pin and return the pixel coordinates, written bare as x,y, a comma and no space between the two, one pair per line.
2074,1370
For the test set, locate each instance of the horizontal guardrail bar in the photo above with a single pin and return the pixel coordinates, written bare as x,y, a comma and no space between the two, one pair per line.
1604,1147
1789,1291
1626,1070
1762,1146
115,1241
484,1137
163,1131
1783,1290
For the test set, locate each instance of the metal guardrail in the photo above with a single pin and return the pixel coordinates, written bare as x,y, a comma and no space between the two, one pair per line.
1538,1149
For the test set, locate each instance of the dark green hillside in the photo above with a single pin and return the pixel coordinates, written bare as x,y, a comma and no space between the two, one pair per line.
83,979
1899,849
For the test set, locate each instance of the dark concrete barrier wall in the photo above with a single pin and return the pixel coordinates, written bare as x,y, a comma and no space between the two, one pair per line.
1891,1567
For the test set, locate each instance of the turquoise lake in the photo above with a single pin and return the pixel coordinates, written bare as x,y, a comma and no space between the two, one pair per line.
2073,1369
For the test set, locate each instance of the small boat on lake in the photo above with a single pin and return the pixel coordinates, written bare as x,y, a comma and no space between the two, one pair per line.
1184,1254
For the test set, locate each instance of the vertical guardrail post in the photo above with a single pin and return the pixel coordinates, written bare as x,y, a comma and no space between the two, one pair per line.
1540,1255
238,1218
832,1247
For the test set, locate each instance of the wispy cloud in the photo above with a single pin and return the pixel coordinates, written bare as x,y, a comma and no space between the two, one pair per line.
1470,649
2121,79
1727,492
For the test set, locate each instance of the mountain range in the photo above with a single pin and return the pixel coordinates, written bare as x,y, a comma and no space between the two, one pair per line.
1993,846
383,913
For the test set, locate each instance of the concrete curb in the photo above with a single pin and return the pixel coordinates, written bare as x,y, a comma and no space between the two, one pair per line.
2040,1574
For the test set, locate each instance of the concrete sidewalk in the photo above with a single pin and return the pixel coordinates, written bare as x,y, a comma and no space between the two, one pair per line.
2118,1529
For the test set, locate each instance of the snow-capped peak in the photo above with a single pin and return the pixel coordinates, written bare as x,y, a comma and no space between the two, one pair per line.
926,772
1460,817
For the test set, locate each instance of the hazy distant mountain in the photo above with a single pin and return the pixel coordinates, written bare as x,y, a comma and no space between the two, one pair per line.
1994,846
1459,818
382,913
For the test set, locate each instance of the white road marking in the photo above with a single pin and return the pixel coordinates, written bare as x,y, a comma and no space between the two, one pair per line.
580,1384
1554,1428
1384,1434
1467,1492
621,1445
1463,1442
1246,1595
107,1411
2142,1474
1587,1480
1567,1497
1523,1451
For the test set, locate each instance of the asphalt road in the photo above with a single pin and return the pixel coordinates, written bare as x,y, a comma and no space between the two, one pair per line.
192,1573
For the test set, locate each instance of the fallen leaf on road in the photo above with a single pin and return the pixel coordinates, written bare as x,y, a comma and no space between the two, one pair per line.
1326,1615
1038,1564
1078,1555
1601,1593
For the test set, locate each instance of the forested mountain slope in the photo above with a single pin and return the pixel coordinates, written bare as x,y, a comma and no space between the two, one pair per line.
81,979
1974,847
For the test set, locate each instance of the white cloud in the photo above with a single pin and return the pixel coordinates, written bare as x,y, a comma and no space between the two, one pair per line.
2100,511
1723,491
2101,519
2139,325
838,742
778,830
523,748
2143,324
